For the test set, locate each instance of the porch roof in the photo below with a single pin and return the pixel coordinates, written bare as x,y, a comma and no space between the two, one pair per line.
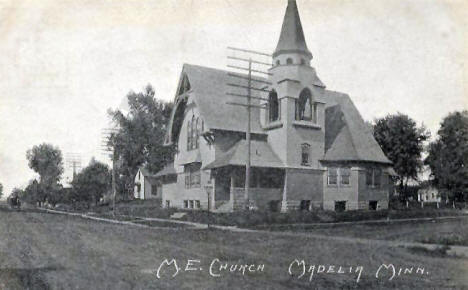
261,156
167,170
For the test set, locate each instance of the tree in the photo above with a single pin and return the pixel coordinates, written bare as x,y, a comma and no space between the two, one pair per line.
47,161
448,156
140,137
92,182
33,193
1,190
402,141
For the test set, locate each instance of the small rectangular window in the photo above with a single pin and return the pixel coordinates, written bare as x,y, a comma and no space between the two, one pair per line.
369,176
185,203
190,203
377,177
305,150
332,176
340,206
344,176
197,204
314,113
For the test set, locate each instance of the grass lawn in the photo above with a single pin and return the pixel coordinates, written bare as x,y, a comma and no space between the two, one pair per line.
61,252
445,232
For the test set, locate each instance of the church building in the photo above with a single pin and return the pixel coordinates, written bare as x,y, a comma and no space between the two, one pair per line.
310,148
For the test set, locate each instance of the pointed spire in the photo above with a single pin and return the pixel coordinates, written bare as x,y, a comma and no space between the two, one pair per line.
292,36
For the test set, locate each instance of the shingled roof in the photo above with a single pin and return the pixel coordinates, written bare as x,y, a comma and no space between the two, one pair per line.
347,137
261,155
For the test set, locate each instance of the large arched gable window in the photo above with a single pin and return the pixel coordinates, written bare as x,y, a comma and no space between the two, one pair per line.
306,109
273,107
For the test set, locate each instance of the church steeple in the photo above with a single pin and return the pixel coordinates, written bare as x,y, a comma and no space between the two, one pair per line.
292,39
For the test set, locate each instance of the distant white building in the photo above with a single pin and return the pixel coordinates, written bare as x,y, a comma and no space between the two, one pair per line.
146,185
428,194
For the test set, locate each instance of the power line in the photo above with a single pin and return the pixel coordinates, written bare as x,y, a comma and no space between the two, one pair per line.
249,204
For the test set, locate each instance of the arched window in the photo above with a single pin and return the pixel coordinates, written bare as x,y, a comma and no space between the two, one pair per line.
289,61
304,109
305,151
189,135
273,106
194,133
197,132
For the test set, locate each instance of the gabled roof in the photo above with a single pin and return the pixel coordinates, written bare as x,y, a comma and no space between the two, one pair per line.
292,36
208,88
261,156
145,172
347,136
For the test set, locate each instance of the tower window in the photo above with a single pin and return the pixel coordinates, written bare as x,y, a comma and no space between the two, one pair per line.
289,61
273,106
305,150
305,109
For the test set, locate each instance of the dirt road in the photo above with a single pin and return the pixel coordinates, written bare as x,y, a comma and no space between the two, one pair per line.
47,251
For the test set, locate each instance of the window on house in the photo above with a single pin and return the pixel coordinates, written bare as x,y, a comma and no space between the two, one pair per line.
369,177
373,177
168,203
314,113
193,129
190,203
192,175
197,204
344,176
302,61
278,62
340,206
289,61
185,203
305,205
273,106
377,177
189,135
197,132
332,176
304,107
305,151
373,205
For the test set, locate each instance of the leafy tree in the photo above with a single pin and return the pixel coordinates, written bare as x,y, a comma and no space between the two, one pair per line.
448,156
92,182
140,137
47,161
402,141
33,193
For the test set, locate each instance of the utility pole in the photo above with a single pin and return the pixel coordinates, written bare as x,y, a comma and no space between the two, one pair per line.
73,161
249,203
109,150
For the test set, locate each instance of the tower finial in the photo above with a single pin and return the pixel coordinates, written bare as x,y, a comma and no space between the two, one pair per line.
292,38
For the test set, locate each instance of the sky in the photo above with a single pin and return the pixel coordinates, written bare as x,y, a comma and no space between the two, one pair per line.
63,64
